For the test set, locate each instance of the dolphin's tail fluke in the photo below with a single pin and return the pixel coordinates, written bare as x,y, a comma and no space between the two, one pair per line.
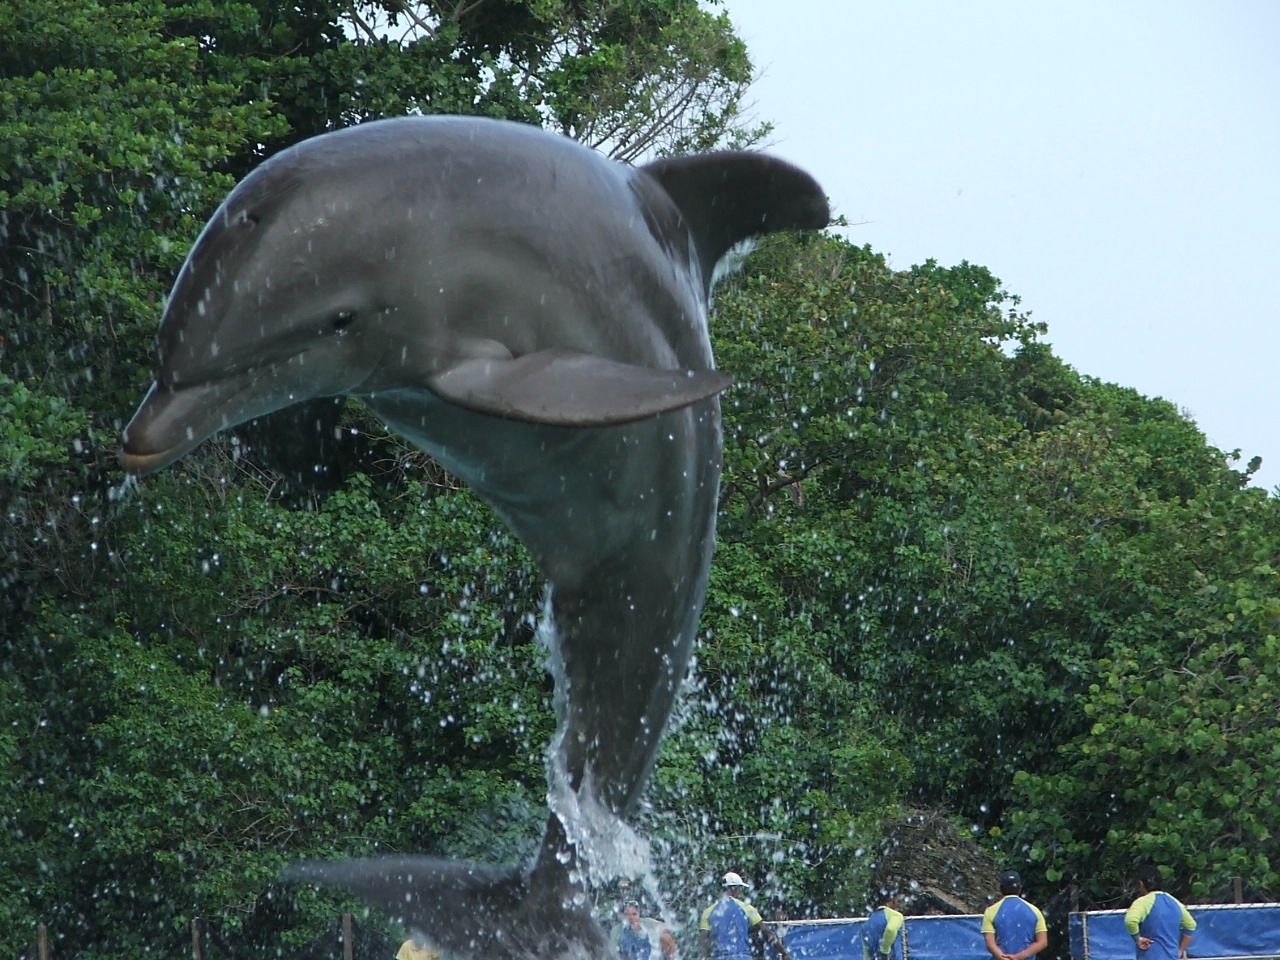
470,910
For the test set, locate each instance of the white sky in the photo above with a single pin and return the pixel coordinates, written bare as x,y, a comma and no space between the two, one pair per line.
1116,164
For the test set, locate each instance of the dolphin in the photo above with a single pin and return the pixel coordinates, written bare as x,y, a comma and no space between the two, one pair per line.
533,315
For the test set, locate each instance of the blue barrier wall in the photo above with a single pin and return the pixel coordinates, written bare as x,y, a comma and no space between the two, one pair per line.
822,939
1228,931
926,938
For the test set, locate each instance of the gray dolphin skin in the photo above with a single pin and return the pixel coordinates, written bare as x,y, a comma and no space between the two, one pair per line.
533,315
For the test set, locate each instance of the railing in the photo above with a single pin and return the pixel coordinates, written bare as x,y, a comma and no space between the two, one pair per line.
199,933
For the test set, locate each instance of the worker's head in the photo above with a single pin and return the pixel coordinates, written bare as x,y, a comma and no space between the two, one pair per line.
1148,877
1011,883
734,885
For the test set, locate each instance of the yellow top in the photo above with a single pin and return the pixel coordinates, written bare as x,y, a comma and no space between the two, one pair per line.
410,950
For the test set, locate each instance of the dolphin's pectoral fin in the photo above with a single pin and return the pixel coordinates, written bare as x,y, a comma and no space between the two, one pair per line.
570,389
466,910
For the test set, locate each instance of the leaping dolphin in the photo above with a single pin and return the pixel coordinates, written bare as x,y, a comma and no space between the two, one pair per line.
534,316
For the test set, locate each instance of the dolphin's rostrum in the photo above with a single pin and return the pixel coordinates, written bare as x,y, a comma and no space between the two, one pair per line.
534,316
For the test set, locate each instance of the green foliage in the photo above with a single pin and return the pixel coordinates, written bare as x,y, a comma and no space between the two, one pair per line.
1177,765
262,684
633,90
777,765
38,431
109,155
880,403
965,530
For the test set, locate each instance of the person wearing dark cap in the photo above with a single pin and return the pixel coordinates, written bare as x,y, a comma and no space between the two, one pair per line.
1013,928
728,924
881,938
1160,925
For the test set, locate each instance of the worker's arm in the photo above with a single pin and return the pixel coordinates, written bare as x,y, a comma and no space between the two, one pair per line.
1041,941
773,940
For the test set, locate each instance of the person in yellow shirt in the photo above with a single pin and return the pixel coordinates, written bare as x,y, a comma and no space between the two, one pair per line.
1160,925
882,933
729,924
417,948
1013,928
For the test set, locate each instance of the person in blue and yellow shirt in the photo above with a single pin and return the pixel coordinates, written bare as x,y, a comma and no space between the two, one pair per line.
1160,925
881,934
727,925
642,938
1013,928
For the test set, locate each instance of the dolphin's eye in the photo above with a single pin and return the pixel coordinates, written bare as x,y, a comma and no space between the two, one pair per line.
343,320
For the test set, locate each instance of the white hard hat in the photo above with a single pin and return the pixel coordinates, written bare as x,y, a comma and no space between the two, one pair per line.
731,879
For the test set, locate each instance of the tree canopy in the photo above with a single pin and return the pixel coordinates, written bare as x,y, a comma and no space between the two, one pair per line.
953,572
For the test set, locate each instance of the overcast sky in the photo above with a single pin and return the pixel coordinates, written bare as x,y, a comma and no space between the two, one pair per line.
1116,164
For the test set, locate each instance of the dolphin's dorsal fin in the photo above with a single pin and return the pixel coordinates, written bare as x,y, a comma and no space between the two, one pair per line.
570,389
731,196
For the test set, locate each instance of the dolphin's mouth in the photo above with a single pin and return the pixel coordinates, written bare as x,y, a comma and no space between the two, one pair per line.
168,424
172,422
175,418
145,463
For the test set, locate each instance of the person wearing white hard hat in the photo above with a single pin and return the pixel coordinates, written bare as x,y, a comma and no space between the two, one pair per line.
728,924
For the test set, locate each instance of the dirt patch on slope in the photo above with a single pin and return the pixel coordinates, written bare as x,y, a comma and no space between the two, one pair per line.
937,867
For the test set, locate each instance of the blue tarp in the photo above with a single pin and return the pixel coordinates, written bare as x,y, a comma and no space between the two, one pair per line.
924,938
1249,930
822,939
